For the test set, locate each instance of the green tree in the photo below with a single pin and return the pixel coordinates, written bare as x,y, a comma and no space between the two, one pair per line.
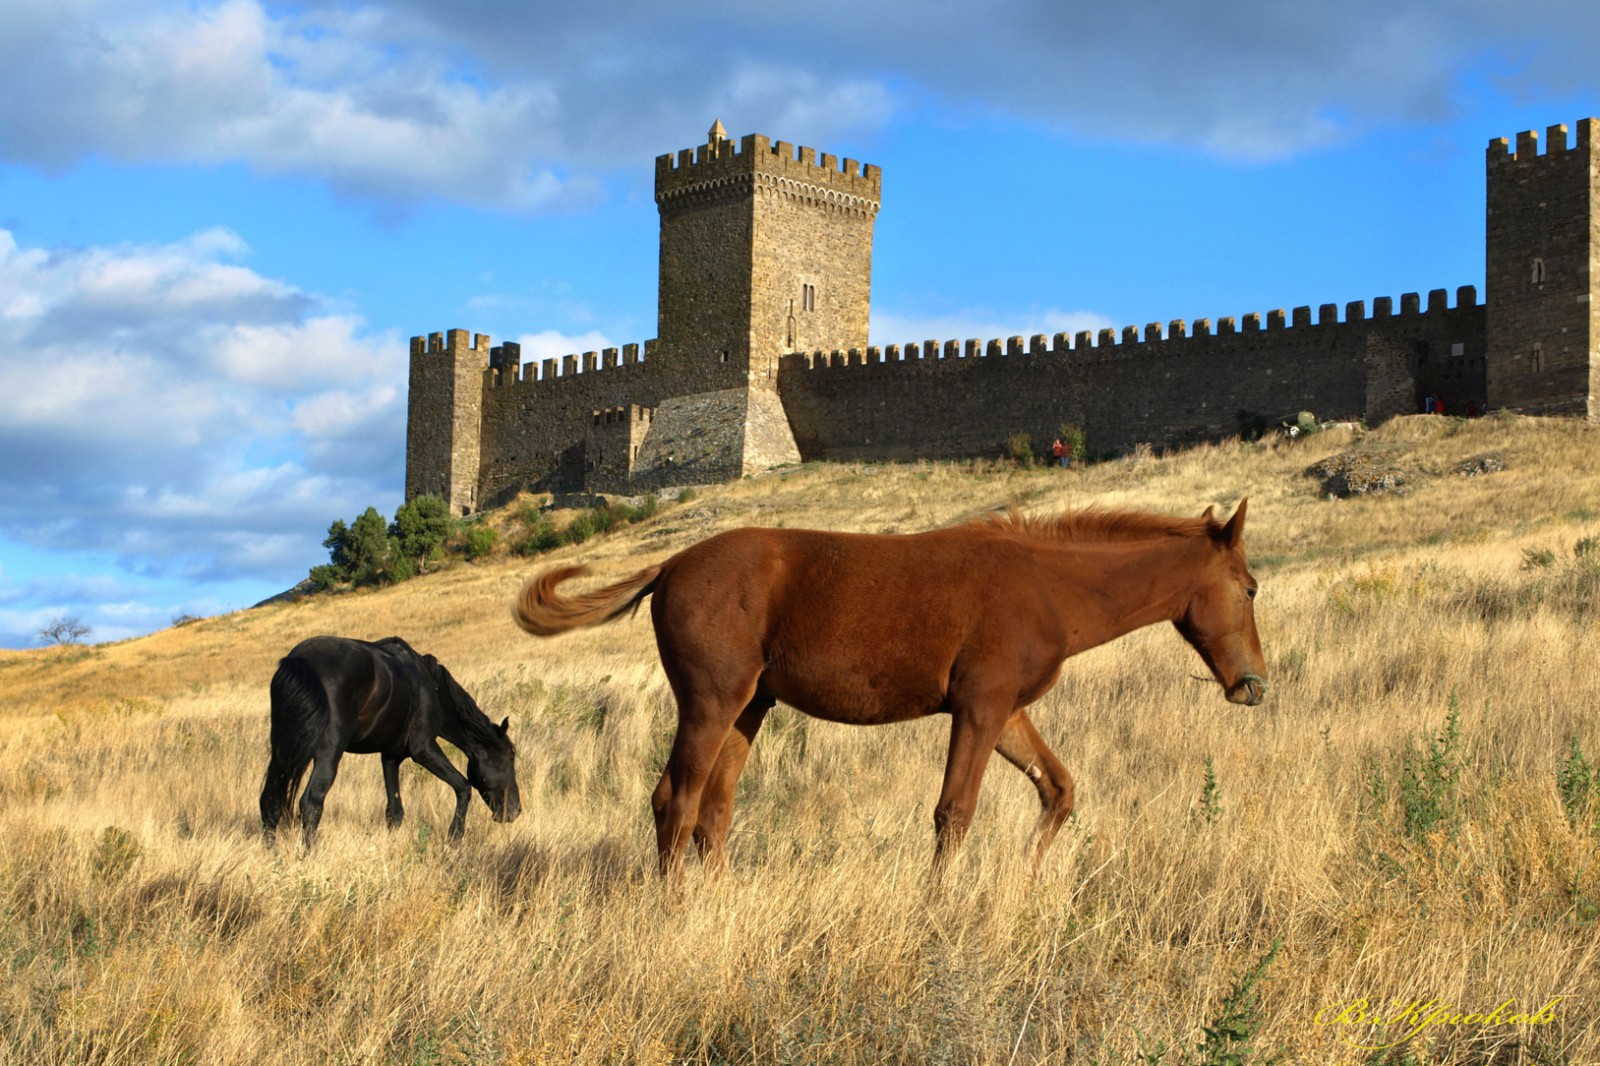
420,529
339,567
366,547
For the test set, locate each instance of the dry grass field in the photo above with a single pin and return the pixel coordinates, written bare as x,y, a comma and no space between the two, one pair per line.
1404,820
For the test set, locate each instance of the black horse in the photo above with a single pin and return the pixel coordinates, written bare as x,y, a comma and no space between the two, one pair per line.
331,695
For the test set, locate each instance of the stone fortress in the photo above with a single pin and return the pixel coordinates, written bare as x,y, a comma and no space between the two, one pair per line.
761,357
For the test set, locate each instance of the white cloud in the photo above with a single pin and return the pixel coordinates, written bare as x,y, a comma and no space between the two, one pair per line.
551,344
521,107
163,405
981,324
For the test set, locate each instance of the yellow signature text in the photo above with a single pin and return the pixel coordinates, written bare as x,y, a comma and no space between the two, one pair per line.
1416,1017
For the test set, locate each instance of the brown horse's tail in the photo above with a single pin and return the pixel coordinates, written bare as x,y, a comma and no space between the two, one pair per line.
542,612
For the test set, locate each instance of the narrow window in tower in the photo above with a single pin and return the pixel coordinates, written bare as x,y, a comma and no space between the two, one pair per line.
808,297
1538,271
1538,358
724,357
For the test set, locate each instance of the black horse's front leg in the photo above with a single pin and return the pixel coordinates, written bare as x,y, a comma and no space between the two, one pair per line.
433,760
394,813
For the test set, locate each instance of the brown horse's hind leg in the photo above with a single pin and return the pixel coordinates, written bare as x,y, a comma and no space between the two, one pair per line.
716,802
1023,747
695,753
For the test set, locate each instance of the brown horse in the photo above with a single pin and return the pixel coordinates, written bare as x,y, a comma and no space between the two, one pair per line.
973,621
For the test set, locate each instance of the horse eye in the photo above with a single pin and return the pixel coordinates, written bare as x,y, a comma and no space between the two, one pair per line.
1251,592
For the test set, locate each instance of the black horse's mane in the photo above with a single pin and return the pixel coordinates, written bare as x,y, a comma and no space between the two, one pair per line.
478,726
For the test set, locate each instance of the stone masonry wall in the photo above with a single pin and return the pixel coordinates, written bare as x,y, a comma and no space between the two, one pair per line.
444,411
536,422
955,400
1542,213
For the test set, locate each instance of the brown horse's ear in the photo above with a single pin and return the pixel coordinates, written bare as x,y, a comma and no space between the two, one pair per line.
1206,514
505,725
1233,532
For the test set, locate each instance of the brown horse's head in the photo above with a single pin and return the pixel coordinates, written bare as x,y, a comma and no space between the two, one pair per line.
1220,620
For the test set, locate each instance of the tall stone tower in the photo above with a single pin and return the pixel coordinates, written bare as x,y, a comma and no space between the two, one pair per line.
764,250
444,417
1543,234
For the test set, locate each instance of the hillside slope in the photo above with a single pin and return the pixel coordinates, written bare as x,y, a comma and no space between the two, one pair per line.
1400,813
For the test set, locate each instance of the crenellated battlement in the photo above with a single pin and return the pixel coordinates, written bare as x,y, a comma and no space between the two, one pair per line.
719,169
1558,145
455,341
506,369
1086,344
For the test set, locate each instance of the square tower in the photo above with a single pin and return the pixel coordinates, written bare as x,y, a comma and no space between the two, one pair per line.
765,249
444,419
1543,231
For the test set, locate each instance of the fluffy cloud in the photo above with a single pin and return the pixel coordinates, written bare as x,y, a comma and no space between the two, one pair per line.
981,324
522,107
166,404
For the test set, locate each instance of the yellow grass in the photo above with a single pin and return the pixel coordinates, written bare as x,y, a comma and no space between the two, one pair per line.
141,919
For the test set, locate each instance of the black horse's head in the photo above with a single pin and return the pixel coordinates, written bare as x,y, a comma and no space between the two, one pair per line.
491,757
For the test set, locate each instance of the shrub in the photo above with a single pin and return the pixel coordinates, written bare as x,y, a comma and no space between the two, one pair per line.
1019,449
581,528
325,577
1076,440
481,541
1577,785
1424,779
398,567
542,536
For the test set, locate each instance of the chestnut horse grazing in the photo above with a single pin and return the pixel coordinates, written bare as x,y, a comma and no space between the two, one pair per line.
973,621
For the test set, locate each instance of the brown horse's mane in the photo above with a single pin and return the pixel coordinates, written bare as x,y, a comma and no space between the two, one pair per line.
1094,525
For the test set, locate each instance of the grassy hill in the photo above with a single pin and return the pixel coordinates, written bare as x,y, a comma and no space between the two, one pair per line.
1406,815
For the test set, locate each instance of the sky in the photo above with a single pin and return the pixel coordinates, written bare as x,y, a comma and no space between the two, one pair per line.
221,222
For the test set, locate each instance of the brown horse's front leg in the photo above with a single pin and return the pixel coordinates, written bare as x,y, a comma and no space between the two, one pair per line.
433,760
1022,746
973,734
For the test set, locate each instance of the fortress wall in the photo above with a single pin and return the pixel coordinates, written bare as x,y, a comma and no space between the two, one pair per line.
1164,387
536,420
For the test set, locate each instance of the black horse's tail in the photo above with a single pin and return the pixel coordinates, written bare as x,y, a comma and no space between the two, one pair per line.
300,715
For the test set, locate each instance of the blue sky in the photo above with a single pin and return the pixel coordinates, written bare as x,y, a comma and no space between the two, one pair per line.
220,222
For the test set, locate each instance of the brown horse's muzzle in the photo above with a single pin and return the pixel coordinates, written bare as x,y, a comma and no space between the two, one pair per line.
1250,690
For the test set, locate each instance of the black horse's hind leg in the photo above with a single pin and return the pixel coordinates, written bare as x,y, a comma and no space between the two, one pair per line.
433,760
273,799
322,775
394,813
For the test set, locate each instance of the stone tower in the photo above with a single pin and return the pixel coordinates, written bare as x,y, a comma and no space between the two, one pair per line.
444,417
1543,234
765,249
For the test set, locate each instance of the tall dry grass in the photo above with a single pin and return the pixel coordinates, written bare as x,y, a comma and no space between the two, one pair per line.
1391,815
